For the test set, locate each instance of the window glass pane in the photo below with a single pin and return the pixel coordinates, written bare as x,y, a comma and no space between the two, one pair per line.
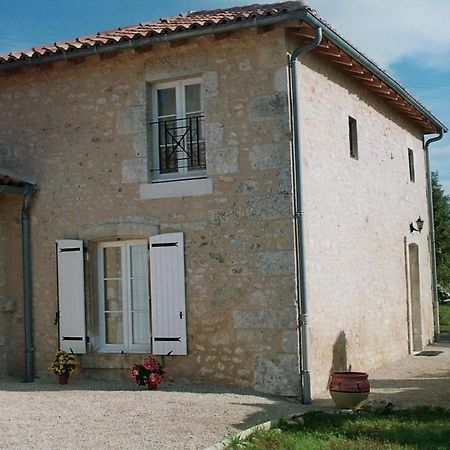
192,95
139,294
114,328
113,295
167,102
141,328
353,136
167,132
194,125
167,138
138,260
412,175
112,262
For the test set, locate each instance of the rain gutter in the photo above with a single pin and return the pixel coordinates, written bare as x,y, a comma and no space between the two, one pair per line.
299,226
297,12
7,189
263,21
28,191
328,33
431,230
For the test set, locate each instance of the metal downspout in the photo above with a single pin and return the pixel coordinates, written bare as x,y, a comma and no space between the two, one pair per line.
300,257
28,195
431,234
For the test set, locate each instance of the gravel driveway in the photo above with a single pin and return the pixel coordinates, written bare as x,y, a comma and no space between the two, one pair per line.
111,415
121,415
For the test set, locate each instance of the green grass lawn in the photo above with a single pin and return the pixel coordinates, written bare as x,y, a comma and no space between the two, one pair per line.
444,317
423,428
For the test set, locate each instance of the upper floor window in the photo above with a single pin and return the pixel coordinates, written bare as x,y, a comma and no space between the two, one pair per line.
412,174
177,130
353,136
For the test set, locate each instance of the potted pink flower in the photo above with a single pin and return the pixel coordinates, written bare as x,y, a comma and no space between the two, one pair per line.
150,373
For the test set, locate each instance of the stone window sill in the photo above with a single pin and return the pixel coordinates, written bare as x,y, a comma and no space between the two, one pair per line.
178,188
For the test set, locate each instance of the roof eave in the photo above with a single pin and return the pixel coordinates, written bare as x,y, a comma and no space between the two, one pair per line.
259,21
12,182
364,61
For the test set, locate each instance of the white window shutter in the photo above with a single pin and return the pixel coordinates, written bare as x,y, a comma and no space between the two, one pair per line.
168,294
72,327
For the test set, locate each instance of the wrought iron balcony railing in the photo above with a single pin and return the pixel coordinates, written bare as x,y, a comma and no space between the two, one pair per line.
180,145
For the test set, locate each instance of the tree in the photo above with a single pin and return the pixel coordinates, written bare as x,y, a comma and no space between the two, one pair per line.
441,210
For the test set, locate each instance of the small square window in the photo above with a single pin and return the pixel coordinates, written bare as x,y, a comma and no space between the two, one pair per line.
177,131
353,137
412,174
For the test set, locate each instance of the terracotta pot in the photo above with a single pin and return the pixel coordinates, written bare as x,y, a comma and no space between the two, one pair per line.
63,379
349,390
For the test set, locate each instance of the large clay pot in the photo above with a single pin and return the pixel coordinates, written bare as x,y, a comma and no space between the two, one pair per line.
349,390
63,379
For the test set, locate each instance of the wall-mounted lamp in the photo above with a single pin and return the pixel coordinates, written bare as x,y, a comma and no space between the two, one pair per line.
419,224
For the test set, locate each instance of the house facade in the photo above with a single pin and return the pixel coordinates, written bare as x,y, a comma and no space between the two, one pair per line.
163,223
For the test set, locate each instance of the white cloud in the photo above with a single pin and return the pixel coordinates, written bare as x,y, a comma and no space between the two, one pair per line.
389,30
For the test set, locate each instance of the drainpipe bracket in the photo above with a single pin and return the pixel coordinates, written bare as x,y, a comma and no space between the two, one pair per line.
303,319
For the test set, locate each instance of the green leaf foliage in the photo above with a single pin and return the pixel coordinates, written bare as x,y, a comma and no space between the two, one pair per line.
441,209
416,429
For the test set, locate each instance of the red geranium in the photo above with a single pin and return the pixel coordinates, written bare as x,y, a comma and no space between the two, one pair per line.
149,373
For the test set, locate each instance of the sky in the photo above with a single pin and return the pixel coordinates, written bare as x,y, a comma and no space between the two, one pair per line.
409,38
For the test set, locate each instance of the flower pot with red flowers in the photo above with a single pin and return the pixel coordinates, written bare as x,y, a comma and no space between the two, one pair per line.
150,373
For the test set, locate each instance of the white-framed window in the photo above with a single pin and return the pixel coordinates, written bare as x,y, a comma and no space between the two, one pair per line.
140,282
124,301
176,129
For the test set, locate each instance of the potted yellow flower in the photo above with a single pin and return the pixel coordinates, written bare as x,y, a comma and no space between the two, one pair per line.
63,364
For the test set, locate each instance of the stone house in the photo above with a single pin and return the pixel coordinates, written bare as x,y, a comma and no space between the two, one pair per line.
200,189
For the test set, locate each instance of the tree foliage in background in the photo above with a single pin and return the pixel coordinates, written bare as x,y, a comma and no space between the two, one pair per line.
441,209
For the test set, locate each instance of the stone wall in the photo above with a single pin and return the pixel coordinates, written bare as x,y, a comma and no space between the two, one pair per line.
79,128
12,354
357,215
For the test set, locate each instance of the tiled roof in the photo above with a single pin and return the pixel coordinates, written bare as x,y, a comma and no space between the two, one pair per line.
10,177
164,26
332,46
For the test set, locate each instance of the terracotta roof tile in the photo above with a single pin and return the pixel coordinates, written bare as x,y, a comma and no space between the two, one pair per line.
195,20
166,25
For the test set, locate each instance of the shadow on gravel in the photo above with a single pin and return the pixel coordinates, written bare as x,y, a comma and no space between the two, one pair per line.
80,384
278,410
425,389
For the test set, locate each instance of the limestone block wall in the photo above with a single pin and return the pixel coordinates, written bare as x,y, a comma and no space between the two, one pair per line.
80,129
11,300
357,215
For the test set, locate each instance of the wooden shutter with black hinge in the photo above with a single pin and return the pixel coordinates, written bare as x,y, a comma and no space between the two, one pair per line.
72,327
168,302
